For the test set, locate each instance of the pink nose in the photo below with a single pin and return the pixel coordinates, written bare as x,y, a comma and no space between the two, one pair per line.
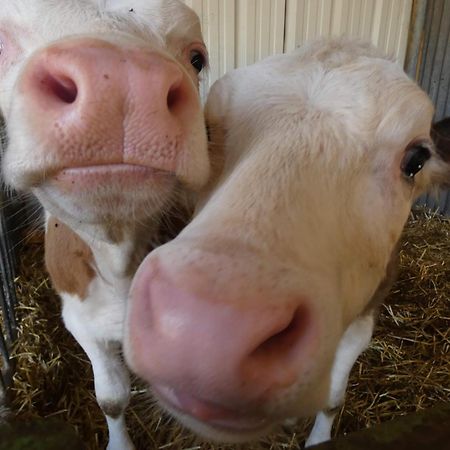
190,338
99,103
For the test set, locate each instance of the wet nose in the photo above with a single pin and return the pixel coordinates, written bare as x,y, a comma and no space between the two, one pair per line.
234,348
113,104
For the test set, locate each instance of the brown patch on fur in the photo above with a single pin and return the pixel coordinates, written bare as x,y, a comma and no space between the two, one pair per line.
168,227
115,232
136,258
69,260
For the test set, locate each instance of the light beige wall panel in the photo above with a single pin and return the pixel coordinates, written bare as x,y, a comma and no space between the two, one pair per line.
240,32
259,29
219,32
384,22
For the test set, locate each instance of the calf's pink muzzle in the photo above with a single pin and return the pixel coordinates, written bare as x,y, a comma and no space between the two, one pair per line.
94,103
215,357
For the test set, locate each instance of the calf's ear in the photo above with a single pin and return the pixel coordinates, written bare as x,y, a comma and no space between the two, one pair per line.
440,133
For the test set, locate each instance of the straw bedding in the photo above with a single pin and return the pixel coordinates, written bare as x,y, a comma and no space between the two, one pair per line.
406,368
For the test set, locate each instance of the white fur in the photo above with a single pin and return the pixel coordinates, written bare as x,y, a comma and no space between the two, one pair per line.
168,28
98,329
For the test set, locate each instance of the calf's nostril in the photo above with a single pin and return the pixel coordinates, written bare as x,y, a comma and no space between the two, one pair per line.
61,87
175,96
281,342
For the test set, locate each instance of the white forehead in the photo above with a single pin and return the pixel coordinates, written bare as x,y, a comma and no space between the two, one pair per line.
62,17
353,89
29,6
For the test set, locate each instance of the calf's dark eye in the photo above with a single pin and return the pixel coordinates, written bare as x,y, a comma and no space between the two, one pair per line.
415,158
198,61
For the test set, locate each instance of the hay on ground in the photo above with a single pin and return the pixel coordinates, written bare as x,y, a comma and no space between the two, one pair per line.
406,368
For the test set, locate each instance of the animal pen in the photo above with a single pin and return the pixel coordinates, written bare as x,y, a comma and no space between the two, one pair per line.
406,369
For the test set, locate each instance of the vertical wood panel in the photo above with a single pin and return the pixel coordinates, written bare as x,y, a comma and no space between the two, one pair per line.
259,29
245,32
294,11
218,19
367,14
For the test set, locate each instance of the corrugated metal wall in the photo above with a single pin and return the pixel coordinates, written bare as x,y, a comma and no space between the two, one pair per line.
433,73
384,22
240,32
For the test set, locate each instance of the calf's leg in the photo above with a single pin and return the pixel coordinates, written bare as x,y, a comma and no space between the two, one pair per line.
355,340
87,324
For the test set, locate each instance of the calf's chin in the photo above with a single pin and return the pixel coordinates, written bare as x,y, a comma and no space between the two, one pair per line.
257,310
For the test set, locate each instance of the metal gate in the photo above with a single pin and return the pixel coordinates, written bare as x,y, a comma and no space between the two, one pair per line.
7,299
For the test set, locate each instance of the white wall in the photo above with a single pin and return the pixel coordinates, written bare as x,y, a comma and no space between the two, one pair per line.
240,32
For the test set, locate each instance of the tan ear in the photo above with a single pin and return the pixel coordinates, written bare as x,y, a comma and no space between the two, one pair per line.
440,133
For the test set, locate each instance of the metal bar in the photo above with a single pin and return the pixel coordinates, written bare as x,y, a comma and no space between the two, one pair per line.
415,40
8,327
7,272
5,372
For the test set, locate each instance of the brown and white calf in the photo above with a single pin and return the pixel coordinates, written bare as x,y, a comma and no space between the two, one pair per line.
104,125
257,311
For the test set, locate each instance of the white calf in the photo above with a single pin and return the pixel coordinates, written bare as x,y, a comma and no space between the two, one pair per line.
105,127
256,312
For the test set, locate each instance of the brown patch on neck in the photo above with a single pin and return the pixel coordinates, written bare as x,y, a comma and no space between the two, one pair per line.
136,257
115,233
69,260
153,234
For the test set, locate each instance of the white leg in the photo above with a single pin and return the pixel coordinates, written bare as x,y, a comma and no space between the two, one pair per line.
321,430
118,434
111,378
354,341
